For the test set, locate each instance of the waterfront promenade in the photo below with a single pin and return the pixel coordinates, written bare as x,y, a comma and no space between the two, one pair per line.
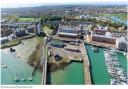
87,76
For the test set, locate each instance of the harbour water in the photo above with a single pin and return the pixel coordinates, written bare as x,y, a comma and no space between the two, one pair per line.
99,73
123,61
17,67
73,74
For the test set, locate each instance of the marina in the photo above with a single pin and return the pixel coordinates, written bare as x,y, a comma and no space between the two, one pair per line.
117,74
69,43
114,66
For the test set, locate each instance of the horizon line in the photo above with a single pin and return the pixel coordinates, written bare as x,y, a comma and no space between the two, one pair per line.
53,4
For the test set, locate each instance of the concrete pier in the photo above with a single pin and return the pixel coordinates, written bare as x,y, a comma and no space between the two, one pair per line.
87,76
104,45
44,64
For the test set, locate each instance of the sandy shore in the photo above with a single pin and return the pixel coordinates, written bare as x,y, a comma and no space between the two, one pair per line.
23,50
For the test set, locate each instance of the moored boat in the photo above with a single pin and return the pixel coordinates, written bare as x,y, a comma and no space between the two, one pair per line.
4,65
30,78
17,79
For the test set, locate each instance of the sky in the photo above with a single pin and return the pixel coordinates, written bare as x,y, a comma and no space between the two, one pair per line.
29,3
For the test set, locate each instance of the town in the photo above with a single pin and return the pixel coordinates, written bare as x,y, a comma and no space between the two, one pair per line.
48,43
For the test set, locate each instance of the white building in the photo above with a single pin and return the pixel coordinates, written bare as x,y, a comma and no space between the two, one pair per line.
121,43
108,34
11,37
3,40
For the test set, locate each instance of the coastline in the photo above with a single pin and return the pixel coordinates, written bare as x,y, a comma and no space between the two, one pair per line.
23,50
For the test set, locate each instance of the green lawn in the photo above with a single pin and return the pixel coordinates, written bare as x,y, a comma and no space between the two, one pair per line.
26,19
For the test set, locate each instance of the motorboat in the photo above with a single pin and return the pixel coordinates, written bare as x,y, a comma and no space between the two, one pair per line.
112,72
4,65
114,58
113,82
119,69
110,68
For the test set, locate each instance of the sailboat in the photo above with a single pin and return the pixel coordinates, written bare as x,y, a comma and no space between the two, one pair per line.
29,78
23,79
17,79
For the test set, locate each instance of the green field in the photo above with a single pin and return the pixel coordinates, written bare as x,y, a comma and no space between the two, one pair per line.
26,19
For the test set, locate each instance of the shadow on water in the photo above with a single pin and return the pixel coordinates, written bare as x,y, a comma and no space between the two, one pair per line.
48,78
90,67
75,61
92,80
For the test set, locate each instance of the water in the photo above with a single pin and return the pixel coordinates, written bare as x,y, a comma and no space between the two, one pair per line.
73,74
99,73
118,20
123,61
17,67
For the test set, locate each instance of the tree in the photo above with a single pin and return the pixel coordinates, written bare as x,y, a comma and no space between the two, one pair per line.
93,26
51,26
